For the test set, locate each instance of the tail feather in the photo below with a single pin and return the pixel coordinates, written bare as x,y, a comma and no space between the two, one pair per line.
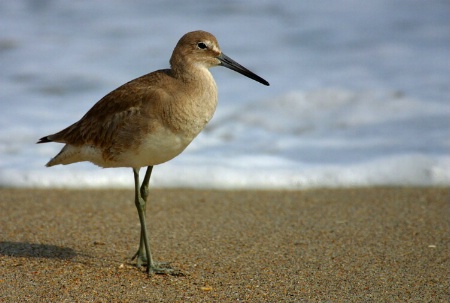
44,140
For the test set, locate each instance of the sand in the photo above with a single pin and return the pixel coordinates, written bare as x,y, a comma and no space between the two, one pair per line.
343,245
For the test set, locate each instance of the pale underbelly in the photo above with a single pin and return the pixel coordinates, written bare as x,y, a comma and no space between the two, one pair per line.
153,149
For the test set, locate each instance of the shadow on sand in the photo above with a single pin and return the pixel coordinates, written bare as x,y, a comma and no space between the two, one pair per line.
32,250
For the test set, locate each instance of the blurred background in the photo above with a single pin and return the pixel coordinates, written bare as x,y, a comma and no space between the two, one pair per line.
359,90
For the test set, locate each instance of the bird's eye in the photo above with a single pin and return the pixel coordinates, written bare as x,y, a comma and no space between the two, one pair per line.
201,45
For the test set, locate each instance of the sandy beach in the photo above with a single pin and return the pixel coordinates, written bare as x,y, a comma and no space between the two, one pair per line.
343,245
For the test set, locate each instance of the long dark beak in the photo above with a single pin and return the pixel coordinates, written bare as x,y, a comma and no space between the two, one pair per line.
231,64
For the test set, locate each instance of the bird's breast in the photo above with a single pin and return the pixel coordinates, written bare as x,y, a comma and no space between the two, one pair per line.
188,114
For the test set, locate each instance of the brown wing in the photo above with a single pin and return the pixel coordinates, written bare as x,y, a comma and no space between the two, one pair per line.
114,121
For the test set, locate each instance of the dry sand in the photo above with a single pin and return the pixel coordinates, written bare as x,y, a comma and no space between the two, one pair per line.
347,245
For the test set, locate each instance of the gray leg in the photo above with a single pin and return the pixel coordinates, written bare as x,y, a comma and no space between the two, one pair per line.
144,186
141,254
144,254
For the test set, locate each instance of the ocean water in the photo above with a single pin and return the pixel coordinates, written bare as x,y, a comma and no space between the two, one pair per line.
359,90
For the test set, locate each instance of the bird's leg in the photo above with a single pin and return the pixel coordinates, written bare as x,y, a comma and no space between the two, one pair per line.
140,254
145,182
144,254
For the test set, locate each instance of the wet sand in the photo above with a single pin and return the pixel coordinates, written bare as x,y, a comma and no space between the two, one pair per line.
344,245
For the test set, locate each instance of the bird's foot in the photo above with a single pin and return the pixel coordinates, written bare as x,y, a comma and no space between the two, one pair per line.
159,268
163,268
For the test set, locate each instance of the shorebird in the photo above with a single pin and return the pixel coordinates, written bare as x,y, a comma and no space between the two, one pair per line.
149,121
